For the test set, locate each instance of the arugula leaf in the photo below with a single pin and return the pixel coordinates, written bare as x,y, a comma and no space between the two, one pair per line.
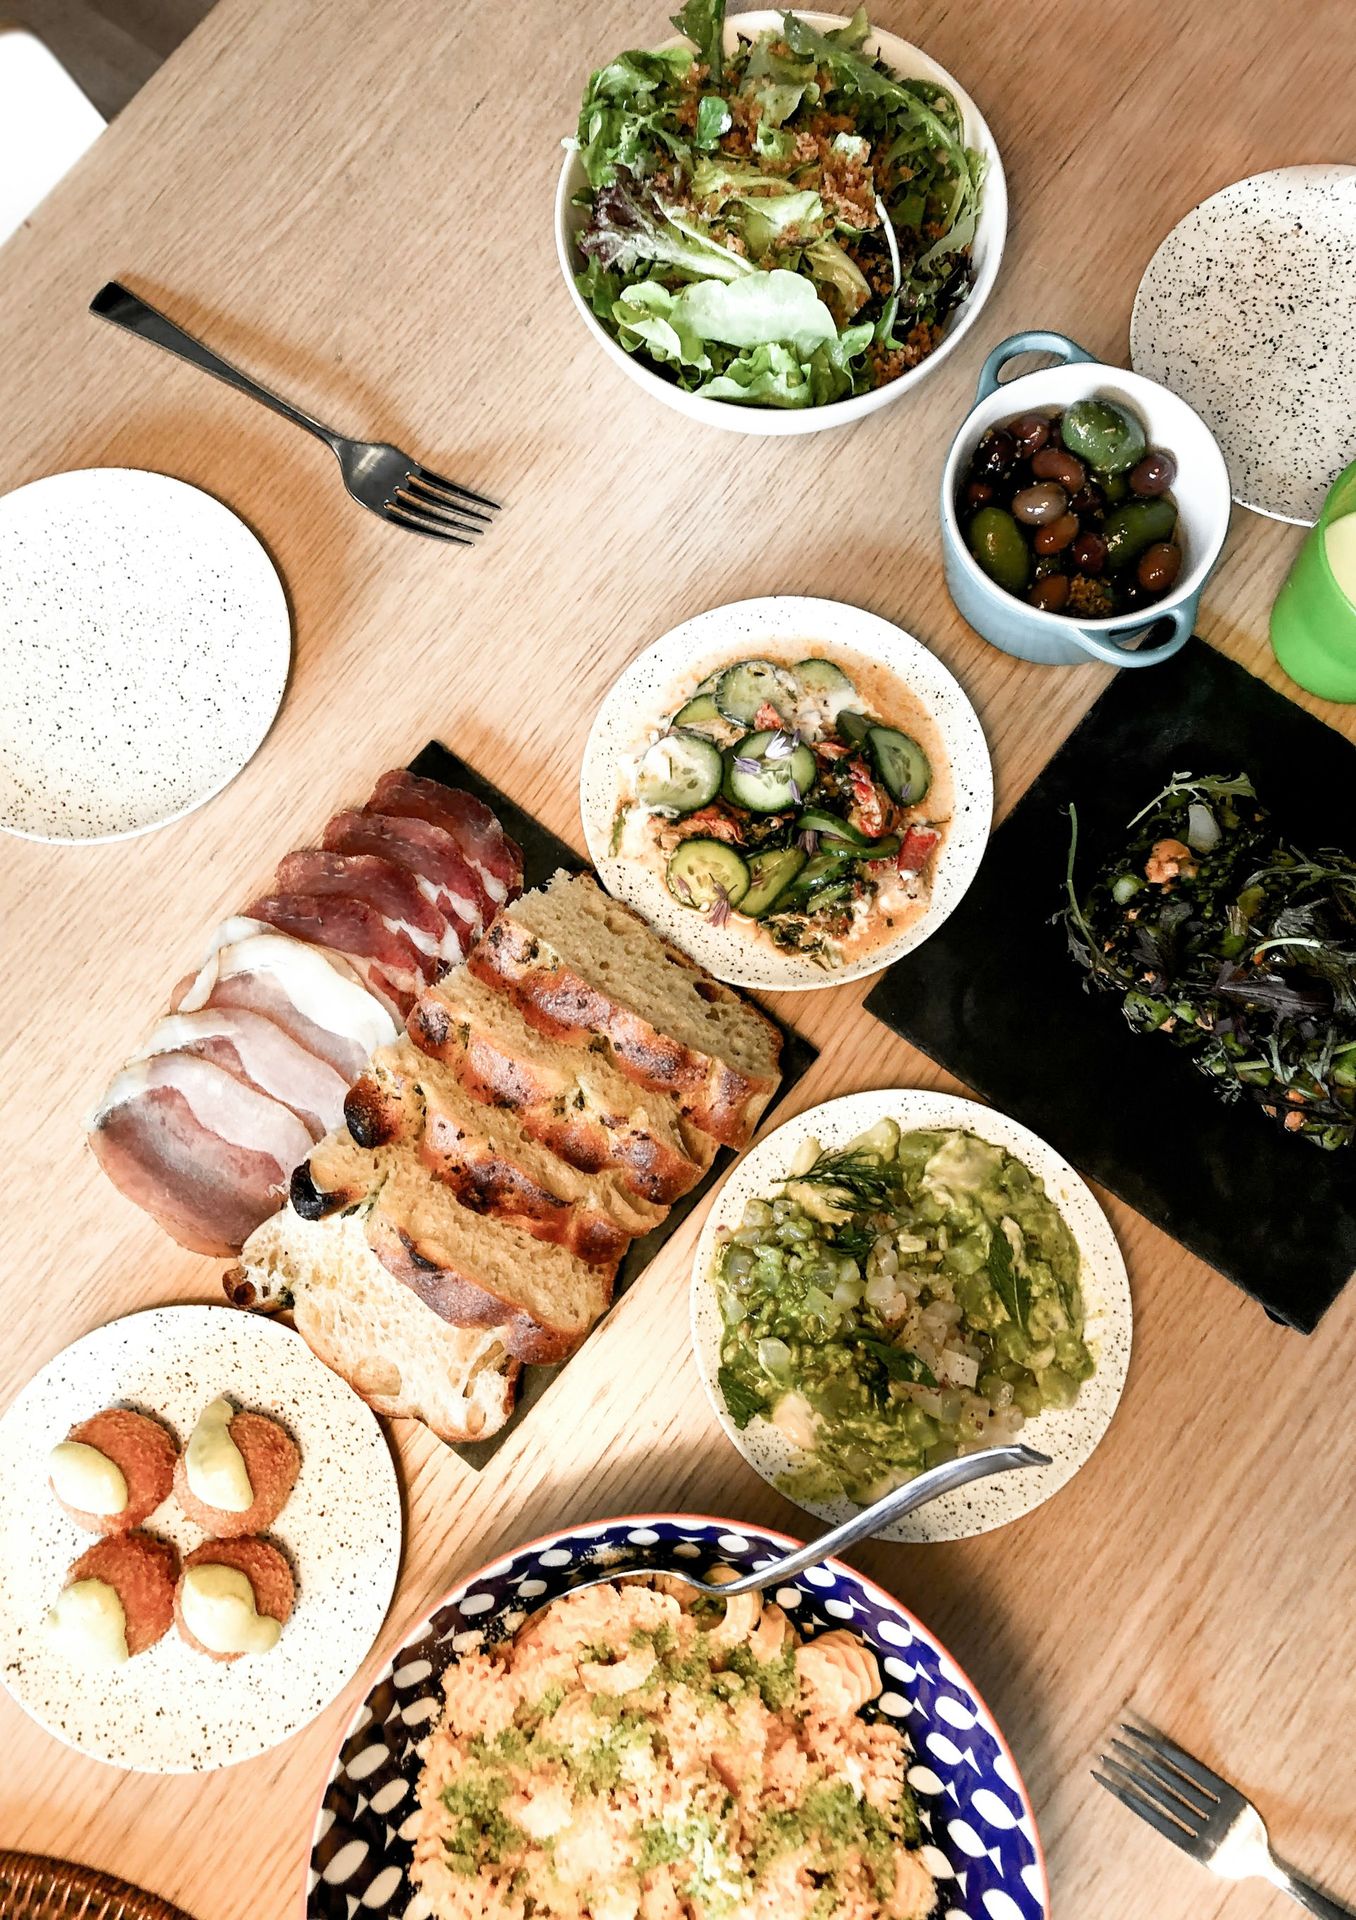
703,21
898,1362
1009,1283
742,1403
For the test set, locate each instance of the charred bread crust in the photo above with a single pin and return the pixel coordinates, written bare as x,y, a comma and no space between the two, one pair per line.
556,1000
485,1183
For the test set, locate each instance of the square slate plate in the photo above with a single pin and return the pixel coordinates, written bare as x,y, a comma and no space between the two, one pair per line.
996,999
543,855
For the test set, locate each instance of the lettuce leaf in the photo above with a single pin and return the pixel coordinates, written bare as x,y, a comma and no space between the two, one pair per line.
769,375
703,21
759,309
830,267
629,228
626,113
791,219
648,314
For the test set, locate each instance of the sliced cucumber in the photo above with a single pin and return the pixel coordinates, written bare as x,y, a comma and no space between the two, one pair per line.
680,772
831,827
822,676
770,874
854,727
749,684
700,711
821,870
700,871
709,684
901,763
829,896
776,781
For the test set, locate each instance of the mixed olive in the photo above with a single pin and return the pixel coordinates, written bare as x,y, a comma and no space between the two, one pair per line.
1071,511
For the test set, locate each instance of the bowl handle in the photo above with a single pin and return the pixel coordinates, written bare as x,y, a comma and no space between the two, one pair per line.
1036,340
1181,619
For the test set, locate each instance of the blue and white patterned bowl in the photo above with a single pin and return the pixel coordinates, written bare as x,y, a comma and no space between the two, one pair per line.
980,1839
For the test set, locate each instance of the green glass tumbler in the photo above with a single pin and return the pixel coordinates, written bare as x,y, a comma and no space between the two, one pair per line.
1313,623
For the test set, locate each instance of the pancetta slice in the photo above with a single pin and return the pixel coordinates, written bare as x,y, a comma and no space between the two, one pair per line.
430,853
204,1152
496,860
387,960
256,1048
381,883
315,995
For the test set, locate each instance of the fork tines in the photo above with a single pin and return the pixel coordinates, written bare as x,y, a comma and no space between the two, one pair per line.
426,504
1175,1794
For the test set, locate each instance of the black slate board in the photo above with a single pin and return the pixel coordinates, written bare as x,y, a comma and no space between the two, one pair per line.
996,999
543,855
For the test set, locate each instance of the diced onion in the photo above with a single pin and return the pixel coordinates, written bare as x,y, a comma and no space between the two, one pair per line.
774,1357
1202,833
881,1290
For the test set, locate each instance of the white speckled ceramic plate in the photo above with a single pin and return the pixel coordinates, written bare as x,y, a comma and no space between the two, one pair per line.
1248,312
1067,1435
146,643
171,1709
665,673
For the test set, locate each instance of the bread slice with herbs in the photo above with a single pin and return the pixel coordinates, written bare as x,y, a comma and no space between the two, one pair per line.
581,964
569,1095
369,1327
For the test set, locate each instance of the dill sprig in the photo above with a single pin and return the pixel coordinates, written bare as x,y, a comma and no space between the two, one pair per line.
864,1179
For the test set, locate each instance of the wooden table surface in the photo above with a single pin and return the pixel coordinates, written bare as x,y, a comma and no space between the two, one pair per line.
355,201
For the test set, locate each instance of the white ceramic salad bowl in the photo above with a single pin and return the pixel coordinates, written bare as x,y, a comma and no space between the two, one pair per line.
909,62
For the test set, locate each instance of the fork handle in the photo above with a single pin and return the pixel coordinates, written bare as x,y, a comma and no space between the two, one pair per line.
126,309
1307,1893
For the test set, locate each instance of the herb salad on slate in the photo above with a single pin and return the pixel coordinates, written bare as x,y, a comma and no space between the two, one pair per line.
904,1299
784,225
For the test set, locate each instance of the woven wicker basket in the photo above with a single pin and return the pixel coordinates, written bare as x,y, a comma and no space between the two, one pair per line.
32,1887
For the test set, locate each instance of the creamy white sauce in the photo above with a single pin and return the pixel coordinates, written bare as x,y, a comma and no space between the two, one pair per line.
88,1625
213,1463
86,1479
219,1609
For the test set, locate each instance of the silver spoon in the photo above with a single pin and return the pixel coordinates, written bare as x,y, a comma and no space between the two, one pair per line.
892,1506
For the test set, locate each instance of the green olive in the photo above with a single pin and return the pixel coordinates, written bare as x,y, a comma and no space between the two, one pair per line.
1114,487
1138,524
1106,436
998,546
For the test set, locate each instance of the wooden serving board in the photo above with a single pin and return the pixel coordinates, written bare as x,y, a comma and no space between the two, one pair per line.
543,855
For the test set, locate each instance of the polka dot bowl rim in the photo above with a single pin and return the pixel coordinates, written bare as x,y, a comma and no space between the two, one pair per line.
1005,1879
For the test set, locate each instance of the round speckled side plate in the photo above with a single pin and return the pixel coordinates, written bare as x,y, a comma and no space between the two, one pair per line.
1247,312
1067,1435
171,1709
664,674
146,642
978,1831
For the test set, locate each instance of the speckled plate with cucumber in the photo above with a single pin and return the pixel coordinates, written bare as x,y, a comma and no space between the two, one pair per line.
788,813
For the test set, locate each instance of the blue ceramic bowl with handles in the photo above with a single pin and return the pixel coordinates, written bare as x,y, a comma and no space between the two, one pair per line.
1201,491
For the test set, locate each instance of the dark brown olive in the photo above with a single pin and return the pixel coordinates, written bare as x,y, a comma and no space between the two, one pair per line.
1055,537
1154,474
1050,593
1088,552
995,452
1037,506
1087,501
1159,566
1057,463
978,493
1031,433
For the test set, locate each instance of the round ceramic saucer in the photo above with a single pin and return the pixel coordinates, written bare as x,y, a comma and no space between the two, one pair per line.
1247,312
146,643
171,1709
1068,1434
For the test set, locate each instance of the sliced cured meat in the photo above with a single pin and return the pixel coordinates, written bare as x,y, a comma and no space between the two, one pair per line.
430,853
315,995
391,889
496,859
251,1045
204,1152
387,960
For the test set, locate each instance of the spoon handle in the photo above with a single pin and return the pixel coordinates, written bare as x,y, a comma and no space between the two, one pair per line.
893,1506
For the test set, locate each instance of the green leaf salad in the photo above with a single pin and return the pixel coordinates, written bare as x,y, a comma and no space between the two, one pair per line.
902,1300
782,226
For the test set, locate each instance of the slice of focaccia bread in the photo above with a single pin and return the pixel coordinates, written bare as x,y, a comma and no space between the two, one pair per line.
372,1330
570,1096
581,964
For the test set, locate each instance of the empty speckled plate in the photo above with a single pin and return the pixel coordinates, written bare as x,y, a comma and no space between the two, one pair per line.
1248,312
146,642
929,700
1068,1435
171,1709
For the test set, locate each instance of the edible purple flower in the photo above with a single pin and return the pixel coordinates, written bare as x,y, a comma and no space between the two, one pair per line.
720,907
745,763
808,840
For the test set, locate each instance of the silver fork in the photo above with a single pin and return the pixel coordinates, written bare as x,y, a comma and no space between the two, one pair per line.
380,477
1203,1815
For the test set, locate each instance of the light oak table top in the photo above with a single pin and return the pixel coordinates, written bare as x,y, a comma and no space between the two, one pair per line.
355,201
